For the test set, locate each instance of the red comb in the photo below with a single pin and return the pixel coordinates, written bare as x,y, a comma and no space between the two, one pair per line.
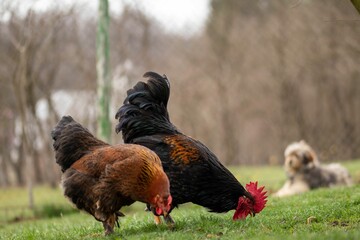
168,207
259,196
246,206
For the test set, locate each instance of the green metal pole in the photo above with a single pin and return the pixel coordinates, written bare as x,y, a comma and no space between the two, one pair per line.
103,72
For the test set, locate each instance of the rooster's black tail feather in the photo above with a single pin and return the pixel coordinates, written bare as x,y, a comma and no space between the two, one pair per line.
145,109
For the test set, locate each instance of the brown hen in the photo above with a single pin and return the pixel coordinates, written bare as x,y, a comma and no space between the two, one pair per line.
100,179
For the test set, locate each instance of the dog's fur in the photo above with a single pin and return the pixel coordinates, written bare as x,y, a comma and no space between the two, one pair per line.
304,171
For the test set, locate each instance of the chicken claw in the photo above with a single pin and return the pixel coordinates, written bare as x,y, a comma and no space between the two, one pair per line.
119,214
109,224
169,221
157,220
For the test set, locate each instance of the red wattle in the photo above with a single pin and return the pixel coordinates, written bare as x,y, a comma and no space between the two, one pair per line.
158,211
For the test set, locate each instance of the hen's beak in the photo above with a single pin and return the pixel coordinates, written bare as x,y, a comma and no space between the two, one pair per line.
165,213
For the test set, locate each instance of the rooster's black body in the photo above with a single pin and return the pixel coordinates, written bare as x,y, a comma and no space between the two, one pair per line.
195,173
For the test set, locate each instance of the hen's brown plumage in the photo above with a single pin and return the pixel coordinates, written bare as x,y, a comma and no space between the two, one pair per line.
99,178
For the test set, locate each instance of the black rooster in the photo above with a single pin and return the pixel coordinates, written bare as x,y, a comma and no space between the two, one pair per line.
195,173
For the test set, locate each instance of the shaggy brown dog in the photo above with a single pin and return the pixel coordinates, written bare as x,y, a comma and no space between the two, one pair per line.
304,171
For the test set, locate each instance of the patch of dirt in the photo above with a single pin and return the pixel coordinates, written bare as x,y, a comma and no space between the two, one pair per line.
340,223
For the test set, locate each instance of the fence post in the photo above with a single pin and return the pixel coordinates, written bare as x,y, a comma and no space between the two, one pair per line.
103,72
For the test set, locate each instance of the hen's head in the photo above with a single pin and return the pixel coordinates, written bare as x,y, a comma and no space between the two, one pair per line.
159,195
161,205
252,204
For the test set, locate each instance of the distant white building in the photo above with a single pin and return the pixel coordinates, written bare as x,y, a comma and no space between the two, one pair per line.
80,104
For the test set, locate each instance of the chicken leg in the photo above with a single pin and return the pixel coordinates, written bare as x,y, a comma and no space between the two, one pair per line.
109,224
168,220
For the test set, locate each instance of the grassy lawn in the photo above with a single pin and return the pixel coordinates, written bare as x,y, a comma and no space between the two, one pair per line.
321,214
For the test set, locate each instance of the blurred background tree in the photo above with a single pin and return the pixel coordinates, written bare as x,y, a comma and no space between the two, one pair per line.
251,78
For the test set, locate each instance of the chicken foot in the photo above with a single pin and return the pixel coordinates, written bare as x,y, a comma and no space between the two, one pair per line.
109,224
168,220
118,214
157,219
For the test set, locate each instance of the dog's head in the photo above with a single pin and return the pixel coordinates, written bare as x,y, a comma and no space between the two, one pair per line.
299,156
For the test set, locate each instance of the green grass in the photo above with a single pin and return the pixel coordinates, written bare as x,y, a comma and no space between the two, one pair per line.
49,202
333,213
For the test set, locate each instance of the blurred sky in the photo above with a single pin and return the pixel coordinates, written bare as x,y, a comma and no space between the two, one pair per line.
185,16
